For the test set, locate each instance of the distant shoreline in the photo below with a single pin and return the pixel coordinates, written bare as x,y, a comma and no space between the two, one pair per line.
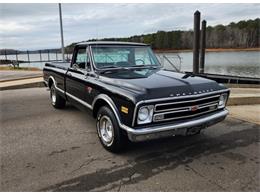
207,50
175,50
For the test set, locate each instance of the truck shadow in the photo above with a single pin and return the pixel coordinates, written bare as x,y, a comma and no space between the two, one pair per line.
150,158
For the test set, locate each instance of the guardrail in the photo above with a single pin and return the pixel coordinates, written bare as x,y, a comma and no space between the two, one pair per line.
15,58
174,61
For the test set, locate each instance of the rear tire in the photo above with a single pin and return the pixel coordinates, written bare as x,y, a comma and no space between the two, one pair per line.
109,132
56,100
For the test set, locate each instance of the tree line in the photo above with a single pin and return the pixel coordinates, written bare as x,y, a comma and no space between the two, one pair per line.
243,34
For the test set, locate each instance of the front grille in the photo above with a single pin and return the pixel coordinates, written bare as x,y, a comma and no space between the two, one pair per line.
180,109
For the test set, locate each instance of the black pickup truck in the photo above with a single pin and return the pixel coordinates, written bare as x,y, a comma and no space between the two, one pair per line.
131,95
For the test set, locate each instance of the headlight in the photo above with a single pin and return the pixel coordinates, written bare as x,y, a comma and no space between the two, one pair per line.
145,115
222,100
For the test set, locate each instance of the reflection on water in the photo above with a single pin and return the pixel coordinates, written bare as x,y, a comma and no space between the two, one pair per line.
236,70
237,63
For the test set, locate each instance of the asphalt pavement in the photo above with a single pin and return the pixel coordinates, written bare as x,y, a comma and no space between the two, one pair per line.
44,149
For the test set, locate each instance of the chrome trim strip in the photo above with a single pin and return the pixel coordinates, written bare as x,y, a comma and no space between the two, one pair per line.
54,81
60,70
135,112
208,105
191,123
79,100
172,98
68,94
90,59
60,90
55,85
176,111
181,117
100,96
185,109
172,103
188,107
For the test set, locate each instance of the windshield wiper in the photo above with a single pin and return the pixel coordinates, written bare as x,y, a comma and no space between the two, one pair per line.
145,66
112,66
118,68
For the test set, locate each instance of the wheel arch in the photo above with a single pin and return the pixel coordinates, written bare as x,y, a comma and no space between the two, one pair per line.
105,100
51,81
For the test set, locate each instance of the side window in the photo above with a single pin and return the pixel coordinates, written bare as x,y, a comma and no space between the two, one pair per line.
81,58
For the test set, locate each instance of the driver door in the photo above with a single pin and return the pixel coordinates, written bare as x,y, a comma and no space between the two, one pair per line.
76,76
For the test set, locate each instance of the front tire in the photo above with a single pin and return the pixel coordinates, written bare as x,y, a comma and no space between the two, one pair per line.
109,132
56,100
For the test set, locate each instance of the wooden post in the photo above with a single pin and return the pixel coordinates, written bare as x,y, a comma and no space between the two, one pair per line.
48,55
16,55
196,42
5,55
203,45
28,56
40,55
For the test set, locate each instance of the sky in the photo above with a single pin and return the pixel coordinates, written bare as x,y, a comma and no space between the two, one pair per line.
36,26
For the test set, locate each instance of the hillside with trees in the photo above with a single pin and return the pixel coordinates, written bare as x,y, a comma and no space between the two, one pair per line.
243,34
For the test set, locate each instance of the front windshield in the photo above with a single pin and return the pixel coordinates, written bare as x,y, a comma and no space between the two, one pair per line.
123,56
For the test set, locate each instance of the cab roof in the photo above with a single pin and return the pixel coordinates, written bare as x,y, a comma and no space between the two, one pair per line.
110,43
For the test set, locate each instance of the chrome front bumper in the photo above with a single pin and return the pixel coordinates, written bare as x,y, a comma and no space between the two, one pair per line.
173,129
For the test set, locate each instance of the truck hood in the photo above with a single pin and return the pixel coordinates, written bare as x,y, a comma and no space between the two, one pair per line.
160,83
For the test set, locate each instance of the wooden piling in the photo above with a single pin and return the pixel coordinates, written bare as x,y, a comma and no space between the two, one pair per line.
40,55
202,45
5,55
28,56
48,55
196,42
16,56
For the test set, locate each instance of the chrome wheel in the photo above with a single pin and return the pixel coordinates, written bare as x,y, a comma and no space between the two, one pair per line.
53,95
105,130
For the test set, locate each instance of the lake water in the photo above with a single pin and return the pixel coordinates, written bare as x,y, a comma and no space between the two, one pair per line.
237,63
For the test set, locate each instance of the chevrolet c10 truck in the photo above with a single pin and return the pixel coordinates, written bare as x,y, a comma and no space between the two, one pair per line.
131,95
